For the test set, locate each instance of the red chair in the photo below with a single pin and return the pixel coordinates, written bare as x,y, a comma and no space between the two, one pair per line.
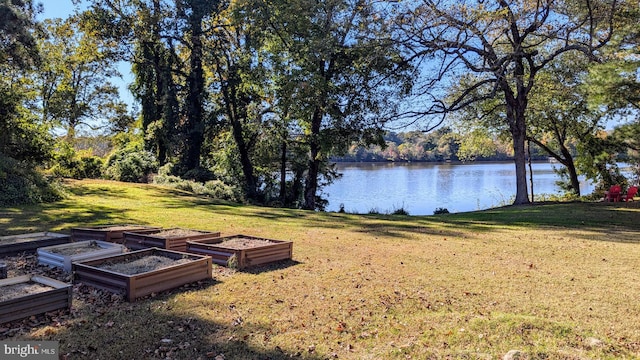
633,190
614,193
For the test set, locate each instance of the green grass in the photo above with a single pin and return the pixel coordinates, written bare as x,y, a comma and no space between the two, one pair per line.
541,279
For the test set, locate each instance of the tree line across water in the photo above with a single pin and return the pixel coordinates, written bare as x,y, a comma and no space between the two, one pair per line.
254,100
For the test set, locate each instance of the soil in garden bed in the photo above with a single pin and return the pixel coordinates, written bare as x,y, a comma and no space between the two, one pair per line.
141,265
22,289
169,233
240,243
75,250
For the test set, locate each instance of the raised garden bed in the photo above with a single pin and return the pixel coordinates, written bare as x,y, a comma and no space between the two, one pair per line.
14,244
108,233
170,239
64,255
242,251
143,272
28,295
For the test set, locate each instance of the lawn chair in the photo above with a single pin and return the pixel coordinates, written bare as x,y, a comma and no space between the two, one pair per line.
633,190
614,193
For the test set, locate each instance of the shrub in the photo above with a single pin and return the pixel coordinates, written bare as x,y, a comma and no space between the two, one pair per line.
130,165
22,184
440,210
219,190
216,189
400,211
77,165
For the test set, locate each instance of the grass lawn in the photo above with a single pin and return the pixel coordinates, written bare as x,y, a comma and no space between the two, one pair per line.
556,281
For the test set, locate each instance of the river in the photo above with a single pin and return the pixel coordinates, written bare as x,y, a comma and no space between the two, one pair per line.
421,188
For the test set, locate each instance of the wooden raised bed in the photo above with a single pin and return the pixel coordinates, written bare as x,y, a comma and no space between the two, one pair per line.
36,295
108,233
13,244
171,239
113,274
242,251
66,254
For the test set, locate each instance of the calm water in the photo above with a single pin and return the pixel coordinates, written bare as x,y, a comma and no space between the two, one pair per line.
420,188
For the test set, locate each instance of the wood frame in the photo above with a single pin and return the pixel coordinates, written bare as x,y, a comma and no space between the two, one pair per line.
139,285
147,239
60,297
263,254
109,233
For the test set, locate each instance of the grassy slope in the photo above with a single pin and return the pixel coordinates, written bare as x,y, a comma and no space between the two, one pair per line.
540,279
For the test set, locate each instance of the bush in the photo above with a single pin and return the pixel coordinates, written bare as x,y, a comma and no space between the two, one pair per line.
219,190
216,189
21,184
130,165
400,211
439,211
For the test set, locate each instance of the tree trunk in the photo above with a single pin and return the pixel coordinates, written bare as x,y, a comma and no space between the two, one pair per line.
283,173
573,176
251,188
195,81
311,183
515,112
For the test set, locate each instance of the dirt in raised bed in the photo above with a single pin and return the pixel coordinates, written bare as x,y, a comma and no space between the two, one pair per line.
240,243
22,289
75,250
176,233
142,265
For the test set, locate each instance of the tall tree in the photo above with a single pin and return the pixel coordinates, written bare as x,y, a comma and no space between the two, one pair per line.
344,76
192,13
560,116
163,39
74,79
22,137
238,84
500,47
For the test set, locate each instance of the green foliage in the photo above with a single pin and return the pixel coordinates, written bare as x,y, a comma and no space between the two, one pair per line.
216,189
74,78
21,184
440,211
77,165
130,164
400,211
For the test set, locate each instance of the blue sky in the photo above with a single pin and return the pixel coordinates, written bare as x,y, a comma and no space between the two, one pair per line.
56,8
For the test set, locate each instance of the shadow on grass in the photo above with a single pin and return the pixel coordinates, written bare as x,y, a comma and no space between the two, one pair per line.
279,265
153,328
617,218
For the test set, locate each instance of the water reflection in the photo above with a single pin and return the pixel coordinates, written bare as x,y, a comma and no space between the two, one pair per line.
420,188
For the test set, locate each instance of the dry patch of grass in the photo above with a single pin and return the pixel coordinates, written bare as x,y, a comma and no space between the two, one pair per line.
554,281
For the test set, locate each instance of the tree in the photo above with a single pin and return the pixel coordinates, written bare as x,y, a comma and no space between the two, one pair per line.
191,14
237,62
498,48
163,40
560,116
22,138
74,78
25,142
343,76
